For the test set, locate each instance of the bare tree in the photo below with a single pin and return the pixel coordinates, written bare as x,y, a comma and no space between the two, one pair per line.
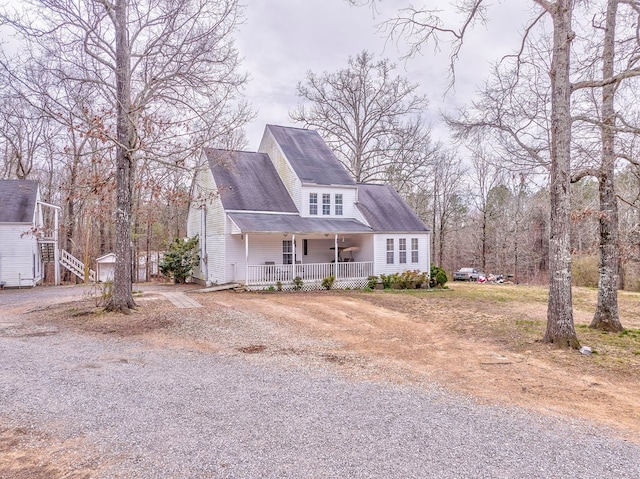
424,26
369,117
486,177
449,201
164,77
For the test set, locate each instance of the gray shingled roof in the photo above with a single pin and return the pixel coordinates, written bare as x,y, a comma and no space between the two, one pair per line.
299,146
17,200
386,211
266,223
249,181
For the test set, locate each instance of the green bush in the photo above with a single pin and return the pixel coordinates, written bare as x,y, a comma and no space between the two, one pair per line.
411,279
438,277
180,260
327,283
297,283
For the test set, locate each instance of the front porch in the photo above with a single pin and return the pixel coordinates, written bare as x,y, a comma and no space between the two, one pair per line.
347,274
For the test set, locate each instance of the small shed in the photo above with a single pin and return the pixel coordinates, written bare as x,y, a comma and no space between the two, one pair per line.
105,267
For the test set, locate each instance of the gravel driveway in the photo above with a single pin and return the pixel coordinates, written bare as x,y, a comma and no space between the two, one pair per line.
141,411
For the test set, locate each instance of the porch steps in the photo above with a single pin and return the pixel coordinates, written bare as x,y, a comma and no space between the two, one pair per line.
76,266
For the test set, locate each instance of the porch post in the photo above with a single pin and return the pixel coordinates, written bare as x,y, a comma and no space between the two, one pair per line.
293,252
56,251
335,253
246,259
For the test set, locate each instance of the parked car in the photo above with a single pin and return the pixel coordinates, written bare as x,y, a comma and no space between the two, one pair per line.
467,274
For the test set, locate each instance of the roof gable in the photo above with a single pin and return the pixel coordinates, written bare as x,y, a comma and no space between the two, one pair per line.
385,210
310,157
248,182
18,200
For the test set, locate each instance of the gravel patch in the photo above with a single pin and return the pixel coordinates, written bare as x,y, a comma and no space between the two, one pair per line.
143,411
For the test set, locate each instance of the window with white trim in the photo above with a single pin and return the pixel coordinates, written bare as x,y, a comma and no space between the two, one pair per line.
389,250
287,252
313,203
402,250
326,204
338,206
414,250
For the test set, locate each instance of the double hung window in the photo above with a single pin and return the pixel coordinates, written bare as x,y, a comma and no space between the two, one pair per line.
338,206
326,204
287,252
402,250
313,203
414,250
390,251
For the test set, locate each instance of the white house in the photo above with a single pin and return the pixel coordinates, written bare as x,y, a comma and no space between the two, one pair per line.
20,222
292,210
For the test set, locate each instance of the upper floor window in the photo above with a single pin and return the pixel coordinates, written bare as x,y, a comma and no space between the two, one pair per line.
414,250
326,204
402,250
389,250
338,207
313,203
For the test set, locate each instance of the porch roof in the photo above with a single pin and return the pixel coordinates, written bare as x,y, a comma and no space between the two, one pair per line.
295,224
384,209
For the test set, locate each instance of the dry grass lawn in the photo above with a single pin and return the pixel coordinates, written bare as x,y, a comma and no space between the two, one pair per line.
477,339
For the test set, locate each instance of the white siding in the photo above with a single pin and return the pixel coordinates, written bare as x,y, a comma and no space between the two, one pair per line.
261,248
380,253
20,263
211,231
348,201
366,253
319,250
291,181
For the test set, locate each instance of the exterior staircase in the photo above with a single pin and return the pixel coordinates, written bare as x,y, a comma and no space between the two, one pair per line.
76,266
47,251
73,264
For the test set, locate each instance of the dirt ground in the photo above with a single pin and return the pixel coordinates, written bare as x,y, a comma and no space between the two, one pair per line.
474,348
482,343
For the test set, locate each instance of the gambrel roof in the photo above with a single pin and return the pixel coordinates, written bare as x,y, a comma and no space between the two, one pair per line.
248,182
386,211
17,200
300,146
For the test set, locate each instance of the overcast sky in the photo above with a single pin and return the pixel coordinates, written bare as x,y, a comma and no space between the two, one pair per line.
283,39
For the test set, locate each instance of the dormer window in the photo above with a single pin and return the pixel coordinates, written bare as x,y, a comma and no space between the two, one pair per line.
326,204
338,206
313,203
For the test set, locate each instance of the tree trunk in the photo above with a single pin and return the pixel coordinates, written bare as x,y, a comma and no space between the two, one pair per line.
122,299
560,328
606,316
484,239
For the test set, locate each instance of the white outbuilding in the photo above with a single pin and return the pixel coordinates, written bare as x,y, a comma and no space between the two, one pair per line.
105,267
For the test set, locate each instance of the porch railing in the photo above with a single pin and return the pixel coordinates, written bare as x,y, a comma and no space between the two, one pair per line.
351,274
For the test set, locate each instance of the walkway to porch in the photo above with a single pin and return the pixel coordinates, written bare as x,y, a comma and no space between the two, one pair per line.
352,275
